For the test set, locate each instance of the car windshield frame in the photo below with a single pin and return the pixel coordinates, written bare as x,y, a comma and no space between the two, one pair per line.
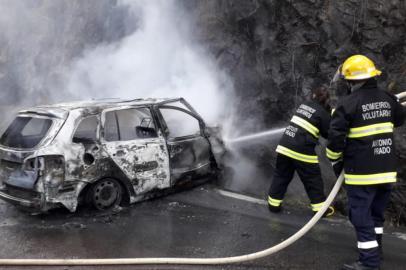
44,137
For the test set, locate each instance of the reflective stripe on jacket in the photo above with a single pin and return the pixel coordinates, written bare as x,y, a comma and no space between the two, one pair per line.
310,121
306,125
370,130
295,155
361,132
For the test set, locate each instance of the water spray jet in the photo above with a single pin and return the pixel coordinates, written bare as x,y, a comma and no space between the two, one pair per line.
254,136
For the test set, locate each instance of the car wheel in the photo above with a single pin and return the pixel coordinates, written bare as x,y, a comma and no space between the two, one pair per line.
106,194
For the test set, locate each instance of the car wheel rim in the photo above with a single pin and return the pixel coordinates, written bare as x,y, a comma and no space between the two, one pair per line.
105,194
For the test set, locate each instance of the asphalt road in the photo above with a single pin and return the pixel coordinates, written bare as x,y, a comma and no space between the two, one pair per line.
200,222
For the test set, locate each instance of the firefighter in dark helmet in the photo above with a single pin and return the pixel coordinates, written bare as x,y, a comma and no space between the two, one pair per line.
361,134
296,152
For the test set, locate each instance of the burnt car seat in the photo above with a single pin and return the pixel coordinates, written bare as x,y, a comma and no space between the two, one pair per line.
145,132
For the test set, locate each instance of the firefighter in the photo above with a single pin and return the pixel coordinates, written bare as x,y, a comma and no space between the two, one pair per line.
296,152
361,134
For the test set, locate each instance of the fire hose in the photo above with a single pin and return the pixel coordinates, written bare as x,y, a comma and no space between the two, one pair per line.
196,261
189,261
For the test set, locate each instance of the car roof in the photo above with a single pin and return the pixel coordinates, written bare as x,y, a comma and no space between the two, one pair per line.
108,103
60,110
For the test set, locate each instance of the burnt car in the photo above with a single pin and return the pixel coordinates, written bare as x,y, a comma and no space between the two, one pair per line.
104,152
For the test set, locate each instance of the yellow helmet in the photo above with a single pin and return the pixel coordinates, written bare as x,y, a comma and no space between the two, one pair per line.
359,67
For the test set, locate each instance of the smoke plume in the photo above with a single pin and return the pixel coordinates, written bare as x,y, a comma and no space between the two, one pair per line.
73,50
159,59
58,51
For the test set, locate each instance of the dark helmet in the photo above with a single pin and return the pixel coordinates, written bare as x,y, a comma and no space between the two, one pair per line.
321,95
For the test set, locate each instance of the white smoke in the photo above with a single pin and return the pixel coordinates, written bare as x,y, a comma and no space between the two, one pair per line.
67,50
160,59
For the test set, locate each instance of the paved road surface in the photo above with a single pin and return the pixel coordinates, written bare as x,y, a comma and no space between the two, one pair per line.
197,223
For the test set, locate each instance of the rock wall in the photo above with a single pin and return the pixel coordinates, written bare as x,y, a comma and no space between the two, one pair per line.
276,51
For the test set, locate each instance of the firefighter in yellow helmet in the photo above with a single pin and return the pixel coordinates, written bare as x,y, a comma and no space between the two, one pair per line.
361,135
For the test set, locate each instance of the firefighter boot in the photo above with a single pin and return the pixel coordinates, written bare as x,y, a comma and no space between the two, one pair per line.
274,205
274,209
358,266
329,212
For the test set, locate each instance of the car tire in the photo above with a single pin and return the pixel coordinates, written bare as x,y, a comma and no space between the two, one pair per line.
106,194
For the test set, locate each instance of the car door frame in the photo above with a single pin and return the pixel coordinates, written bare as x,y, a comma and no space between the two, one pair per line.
161,183
178,140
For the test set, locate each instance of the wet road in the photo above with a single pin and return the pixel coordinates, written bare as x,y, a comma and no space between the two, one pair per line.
201,222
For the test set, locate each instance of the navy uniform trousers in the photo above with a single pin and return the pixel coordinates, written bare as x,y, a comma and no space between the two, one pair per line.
367,205
309,173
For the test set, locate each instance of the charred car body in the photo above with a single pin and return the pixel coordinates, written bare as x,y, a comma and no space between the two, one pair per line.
103,152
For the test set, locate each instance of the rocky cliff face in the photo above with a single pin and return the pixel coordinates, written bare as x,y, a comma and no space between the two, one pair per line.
276,51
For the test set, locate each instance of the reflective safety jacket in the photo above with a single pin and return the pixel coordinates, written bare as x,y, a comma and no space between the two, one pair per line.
310,121
361,132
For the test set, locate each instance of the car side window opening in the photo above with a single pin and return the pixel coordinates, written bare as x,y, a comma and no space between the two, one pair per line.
180,124
86,132
129,124
35,127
